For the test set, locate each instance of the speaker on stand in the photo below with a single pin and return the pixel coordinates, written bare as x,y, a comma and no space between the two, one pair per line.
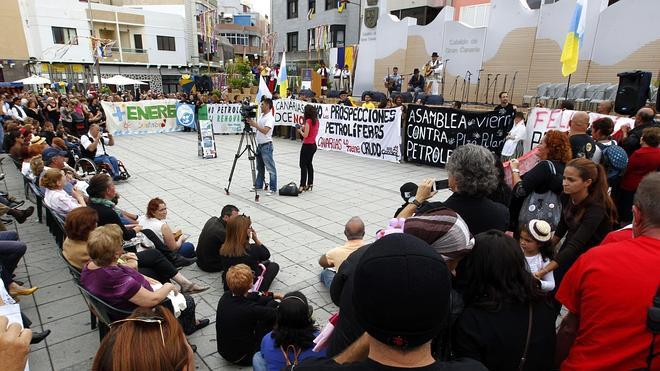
632,92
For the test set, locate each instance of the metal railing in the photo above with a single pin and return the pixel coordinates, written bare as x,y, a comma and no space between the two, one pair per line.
128,50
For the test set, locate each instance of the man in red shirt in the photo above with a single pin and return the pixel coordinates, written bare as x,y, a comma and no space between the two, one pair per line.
608,292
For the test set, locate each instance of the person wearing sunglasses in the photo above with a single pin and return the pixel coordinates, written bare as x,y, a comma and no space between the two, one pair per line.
162,341
124,287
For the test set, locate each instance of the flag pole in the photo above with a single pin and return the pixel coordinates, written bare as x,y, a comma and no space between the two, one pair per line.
568,85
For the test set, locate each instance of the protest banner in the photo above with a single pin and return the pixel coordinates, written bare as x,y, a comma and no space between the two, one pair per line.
185,115
226,118
373,133
205,137
432,133
525,163
143,117
541,120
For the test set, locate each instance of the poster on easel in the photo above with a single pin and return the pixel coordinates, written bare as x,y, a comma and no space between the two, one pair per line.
205,139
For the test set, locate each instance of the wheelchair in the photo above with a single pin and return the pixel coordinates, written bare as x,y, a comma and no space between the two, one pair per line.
86,167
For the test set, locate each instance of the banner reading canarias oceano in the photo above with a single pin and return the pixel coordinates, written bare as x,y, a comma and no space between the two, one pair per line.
143,117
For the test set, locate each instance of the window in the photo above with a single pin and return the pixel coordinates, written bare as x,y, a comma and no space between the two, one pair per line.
291,41
137,41
291,9
63,35
166,43
330,4
311,39
236,39
475,15
311,8
255,41
338,35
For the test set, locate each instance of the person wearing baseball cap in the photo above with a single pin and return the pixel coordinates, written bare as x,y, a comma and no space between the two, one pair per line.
401,298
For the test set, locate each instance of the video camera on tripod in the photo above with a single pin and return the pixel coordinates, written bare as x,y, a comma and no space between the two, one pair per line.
248,111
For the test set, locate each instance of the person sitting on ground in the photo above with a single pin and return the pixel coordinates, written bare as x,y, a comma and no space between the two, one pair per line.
56,198
123,287
643,161
154,220
582,144
243,317
398,333
332,260
605,107
162,341
344,100
472,177
150,262
237,249
506,315
620,280
93,147
292,338
213,235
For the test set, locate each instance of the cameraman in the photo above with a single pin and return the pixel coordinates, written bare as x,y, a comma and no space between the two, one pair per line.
264,137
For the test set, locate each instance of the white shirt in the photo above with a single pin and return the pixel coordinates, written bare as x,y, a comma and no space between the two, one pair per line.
536,263
337,73
266,120
517,133
27,170
18,113
85,141
323,72
345,73
60,201
154,224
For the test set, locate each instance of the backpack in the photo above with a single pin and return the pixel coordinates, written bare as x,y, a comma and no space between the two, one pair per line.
544,206
614,160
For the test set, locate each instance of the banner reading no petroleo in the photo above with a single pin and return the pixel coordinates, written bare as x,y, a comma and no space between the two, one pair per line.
185,115
143,117
432,133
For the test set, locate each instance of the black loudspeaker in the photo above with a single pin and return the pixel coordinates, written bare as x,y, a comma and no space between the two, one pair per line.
333,94
435,100
376,96
633,92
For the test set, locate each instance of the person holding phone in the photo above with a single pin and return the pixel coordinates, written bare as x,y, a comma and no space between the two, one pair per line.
309,130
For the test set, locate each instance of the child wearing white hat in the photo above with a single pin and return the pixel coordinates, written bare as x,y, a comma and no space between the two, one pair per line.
535,243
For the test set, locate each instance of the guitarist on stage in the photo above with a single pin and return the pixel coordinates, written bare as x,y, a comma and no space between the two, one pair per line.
393,81
433,74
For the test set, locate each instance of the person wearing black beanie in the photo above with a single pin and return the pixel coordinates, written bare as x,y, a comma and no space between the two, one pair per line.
401,298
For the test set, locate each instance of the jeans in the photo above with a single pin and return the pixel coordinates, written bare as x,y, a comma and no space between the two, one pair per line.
259,363
306,167
11,252
187,250
112,161
265,159
327,275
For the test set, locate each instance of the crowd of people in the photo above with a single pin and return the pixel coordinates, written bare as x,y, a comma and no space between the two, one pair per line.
477,281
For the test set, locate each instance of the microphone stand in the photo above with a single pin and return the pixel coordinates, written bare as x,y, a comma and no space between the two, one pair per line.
492,100
513,85
444,69
454,87
469,79
487,89
506,76
476,97
463,88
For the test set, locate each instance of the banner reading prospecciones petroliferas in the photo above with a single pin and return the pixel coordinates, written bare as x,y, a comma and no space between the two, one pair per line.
373,133
226,118
143,117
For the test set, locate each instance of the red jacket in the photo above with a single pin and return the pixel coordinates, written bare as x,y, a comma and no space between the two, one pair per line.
642,162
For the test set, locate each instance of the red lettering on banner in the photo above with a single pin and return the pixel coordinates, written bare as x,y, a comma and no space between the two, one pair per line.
352,149
330,143
553,119
540,118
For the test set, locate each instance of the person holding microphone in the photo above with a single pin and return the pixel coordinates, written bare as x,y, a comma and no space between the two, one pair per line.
309,130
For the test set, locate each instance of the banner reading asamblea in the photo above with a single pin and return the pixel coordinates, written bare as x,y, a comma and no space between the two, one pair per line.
373,133
143,117
432,133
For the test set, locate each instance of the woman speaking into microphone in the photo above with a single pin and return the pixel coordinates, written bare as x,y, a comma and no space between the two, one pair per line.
308,131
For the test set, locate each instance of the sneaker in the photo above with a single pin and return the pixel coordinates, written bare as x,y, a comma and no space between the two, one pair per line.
270,193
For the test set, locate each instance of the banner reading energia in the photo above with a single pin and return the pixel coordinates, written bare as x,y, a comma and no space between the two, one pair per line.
373,133
143,117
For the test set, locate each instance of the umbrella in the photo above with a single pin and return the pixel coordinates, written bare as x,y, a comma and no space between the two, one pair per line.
34,80
122,80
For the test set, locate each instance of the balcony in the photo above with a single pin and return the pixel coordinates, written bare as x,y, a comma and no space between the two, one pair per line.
246,50
127,56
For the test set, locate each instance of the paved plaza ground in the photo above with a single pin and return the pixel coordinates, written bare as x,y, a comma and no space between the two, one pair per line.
297,230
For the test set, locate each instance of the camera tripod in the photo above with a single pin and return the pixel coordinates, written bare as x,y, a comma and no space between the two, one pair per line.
250,145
